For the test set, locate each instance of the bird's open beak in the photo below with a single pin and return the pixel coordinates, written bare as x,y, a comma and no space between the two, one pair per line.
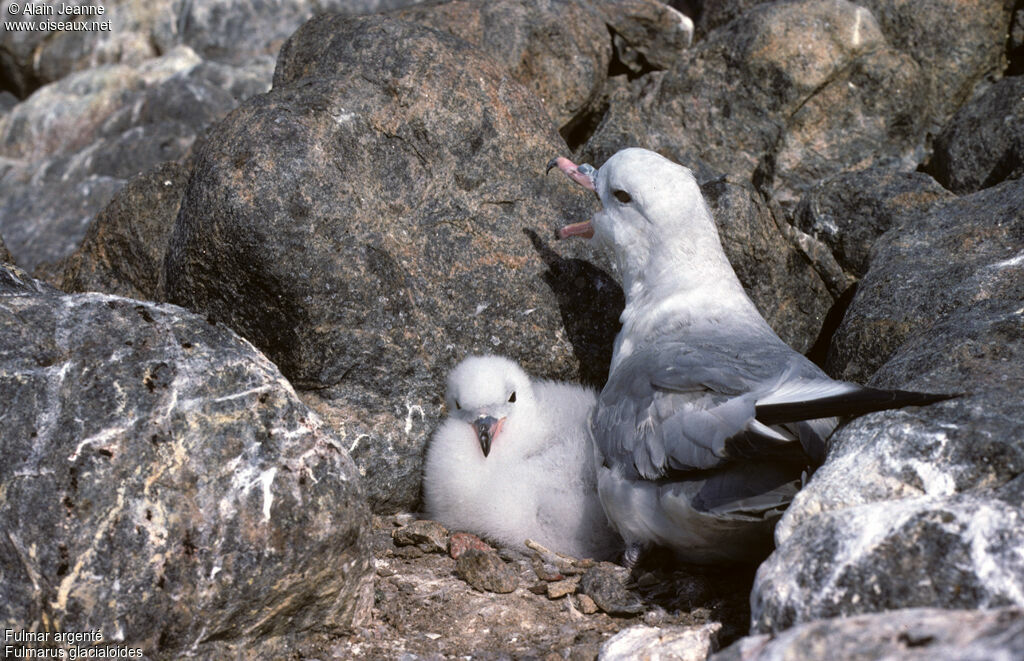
487,429
584,176
581,174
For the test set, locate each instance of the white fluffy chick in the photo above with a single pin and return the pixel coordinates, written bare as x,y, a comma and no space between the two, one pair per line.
513,461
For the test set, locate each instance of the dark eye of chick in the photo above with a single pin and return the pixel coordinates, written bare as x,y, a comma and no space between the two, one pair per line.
622,196
512,397
457,405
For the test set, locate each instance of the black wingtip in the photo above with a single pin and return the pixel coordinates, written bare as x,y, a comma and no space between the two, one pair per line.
860,402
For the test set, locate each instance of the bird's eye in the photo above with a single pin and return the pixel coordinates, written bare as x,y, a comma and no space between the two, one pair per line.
622,196
512,397
457,405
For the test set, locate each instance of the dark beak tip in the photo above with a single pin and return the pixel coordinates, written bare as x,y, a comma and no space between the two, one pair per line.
551,164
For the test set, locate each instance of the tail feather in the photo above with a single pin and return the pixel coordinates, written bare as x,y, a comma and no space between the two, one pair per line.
859,402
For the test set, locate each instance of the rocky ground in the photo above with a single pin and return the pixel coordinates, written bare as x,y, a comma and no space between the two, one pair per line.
538,605
531,604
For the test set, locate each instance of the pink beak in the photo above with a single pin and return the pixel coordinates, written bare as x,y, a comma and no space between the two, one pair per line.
584,176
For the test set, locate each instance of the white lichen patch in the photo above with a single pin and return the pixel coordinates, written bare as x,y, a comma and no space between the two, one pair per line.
410,411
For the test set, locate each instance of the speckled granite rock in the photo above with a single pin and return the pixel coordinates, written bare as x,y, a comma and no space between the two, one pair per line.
850,210
123,250
163,482
786,94
606,585
957,43
983,144
560,49
364,224
777,276
917,634
485,571
920,507
953,273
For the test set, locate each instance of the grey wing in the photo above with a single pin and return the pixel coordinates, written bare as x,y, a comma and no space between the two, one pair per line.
674,408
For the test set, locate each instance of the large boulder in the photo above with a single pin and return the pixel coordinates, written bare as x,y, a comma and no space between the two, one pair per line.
782,96
920,507
850,210
368,223
776,275
74,143
560,49
564,50
163,483
124,248
983,143
130,32
917,634
957,43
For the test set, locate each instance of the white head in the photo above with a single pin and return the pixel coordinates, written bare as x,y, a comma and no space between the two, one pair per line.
651,207
493,395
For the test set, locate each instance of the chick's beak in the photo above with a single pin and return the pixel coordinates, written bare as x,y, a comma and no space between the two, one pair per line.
487,429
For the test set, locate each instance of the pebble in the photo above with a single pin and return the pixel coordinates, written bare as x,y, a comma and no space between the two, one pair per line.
429,536
545,571
461,542
484,570
540,587
606,585
586,604
558,589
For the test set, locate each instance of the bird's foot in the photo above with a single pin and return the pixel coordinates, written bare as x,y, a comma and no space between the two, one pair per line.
633,553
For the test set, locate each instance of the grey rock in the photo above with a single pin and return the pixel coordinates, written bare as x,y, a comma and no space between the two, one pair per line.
45,222
123,249
920,507
850,210
7,101
951,551
485,571
648,36
983,143
952,273
163,483
710,14
233,30
957,43
430,536
775,273
918,634
229,31
561,49
786,94
75,142
366,224
606,585
678,643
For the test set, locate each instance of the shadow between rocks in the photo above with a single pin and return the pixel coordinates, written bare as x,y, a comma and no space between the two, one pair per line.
590,302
